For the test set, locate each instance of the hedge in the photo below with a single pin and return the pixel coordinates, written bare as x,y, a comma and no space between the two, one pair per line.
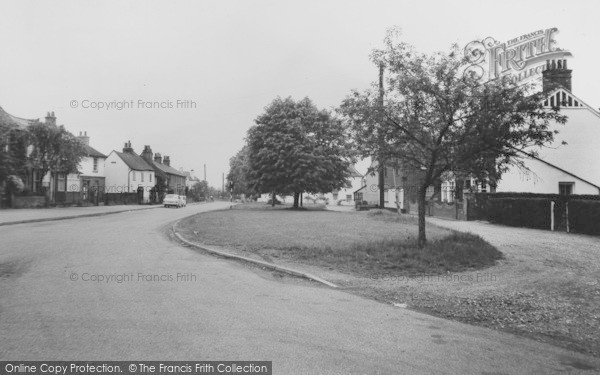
584,216
520,212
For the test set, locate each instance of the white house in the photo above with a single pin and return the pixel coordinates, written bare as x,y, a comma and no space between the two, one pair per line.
345,195
571,168
126,172
90,179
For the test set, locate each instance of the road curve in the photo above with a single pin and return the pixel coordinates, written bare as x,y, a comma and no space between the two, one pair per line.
175,303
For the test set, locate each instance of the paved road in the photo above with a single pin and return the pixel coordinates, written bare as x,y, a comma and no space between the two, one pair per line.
222,310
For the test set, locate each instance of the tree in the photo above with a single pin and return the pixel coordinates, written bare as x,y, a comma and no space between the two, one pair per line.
438,119
55,150
238,171
13,152
295,147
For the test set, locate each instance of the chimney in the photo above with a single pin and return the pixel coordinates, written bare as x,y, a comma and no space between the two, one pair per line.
50,118
158,158
147,154
167,161
556,75
83,137
127,147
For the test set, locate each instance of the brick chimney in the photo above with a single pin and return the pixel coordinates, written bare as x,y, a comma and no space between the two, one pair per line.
556,75
127,147
83,137
158,158
147,154
167,161
50,118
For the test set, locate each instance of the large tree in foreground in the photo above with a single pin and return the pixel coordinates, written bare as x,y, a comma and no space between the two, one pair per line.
295,147
436,118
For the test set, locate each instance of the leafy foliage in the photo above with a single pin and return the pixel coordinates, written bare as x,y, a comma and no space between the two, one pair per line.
295,147
55,149
13,152
436,119
238,170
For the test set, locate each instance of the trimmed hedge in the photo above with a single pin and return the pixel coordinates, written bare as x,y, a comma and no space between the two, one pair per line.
520,212
584,216
533,210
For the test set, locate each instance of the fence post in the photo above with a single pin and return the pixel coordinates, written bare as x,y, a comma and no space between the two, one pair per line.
567,213
552,216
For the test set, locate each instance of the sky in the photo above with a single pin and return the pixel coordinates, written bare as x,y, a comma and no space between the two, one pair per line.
225,61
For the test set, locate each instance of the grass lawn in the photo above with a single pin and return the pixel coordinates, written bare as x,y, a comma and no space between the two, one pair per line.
359,243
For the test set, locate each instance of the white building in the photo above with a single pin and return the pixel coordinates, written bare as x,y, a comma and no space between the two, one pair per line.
126,172
571,168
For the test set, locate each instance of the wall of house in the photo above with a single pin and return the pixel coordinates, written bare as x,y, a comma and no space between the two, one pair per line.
543,180
581,154
86,167
119,179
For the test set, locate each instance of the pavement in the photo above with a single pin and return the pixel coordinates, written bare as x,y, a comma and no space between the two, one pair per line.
119,287
28,215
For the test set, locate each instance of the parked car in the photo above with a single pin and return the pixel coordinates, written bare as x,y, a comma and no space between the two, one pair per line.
174,200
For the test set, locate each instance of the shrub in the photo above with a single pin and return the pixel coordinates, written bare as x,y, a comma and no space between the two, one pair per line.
584,216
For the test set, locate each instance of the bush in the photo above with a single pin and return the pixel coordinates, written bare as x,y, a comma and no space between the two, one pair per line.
584,216
520,212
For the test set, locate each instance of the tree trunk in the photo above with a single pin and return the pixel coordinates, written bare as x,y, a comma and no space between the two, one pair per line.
422,240
296,199
273,199
381,185
301,200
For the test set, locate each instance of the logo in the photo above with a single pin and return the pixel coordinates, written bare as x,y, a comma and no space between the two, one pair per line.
522,58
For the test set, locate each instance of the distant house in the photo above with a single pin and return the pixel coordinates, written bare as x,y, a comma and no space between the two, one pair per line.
168,179
345,196
127,172
190,178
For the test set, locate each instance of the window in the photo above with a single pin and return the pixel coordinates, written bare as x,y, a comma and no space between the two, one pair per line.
61,182
96,165
565,188
133,175
349,198
142,173
150,176
448,191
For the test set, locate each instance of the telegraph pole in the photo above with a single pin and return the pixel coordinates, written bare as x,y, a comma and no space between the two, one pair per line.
381,140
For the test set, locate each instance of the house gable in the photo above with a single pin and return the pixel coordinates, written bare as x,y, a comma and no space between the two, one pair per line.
563,98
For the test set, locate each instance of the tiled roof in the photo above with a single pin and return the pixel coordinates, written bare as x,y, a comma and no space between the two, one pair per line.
167,169
134,161
90,151
8,119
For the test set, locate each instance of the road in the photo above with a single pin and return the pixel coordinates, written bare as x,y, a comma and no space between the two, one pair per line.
51,308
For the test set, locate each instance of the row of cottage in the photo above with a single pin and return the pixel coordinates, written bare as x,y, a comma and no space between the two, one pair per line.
149,175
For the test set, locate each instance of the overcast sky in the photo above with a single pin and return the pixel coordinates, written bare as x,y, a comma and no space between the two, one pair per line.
232,58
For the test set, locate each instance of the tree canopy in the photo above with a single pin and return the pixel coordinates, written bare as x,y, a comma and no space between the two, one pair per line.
54,149
436,118
295,147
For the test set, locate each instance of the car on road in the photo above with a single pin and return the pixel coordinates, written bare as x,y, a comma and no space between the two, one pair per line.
174,200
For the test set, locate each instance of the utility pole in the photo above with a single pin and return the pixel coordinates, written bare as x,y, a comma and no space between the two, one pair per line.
223,186
381,140
204,172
